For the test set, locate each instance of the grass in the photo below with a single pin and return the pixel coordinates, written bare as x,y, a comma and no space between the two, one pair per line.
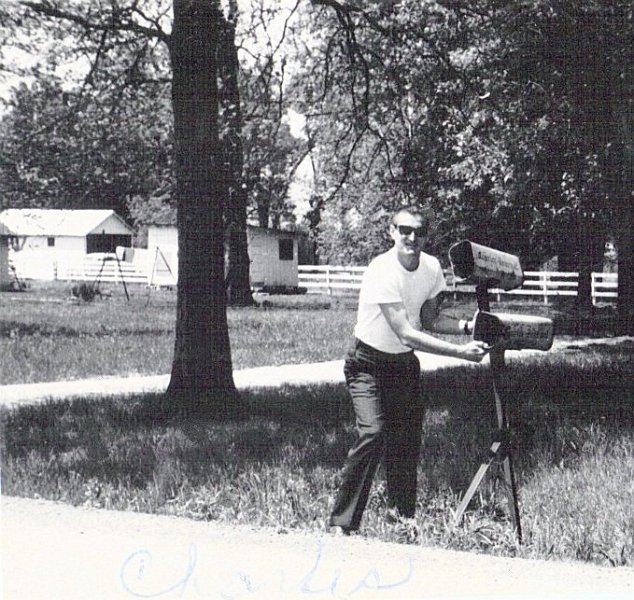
573,433
573,449
46,336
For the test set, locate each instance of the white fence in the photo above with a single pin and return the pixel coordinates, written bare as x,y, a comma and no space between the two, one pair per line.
324,279
544,285
101,267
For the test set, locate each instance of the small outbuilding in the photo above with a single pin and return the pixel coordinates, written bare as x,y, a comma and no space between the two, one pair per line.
273,254
43,240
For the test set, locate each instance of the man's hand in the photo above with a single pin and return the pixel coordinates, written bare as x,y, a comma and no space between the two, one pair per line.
472,323
474,351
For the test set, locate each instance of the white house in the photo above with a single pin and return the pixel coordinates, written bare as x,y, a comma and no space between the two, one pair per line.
44,240
273,254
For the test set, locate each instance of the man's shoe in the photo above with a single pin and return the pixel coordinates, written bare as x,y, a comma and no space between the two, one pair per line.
338,531
405,528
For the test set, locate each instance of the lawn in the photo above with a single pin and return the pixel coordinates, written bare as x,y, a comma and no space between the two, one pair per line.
45,335
572,437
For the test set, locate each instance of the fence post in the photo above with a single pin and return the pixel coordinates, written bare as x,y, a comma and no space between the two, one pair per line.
593,286
328,280
544,279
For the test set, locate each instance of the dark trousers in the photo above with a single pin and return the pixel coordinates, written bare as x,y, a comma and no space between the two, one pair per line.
386,395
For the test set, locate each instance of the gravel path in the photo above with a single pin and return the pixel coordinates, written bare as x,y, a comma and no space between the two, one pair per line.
302,374
54,551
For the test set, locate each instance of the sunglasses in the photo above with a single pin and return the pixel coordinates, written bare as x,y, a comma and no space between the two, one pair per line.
406,230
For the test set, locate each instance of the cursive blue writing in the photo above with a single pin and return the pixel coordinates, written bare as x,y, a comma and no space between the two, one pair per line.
318,580
133,573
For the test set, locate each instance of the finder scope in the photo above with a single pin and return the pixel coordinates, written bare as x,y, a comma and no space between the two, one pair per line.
484,265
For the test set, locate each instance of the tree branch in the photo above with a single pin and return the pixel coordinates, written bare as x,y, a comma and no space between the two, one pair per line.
111,22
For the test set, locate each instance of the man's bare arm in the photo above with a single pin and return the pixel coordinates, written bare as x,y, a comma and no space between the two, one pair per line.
396,316
433,319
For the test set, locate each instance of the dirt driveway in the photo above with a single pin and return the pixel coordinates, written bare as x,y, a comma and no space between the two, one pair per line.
56,552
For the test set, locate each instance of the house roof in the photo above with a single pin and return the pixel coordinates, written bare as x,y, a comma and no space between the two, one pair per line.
254,228
54,222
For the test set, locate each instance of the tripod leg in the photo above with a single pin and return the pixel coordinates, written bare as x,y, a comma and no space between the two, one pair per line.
479,476
511,494
497,363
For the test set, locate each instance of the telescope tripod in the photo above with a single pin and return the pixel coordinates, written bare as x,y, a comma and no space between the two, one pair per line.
500,451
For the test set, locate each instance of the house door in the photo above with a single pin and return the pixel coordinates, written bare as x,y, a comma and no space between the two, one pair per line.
106,242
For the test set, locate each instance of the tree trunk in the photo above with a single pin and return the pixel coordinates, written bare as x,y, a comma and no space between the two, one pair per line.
201,378
624,88
237,279
625,306
263,213
625,245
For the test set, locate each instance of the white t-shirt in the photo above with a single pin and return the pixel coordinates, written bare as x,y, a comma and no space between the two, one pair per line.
386,281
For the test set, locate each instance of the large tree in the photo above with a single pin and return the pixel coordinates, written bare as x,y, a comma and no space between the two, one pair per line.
207,158
202,370
513,119
573,61
392,99
201,377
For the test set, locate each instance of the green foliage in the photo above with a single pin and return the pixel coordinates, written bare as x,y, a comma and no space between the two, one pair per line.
89,124
271,153
390,94
84,148
497,114
101,136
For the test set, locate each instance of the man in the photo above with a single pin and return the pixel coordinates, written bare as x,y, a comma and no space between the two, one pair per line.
399,297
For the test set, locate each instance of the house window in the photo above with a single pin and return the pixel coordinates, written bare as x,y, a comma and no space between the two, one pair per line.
50,241
286,249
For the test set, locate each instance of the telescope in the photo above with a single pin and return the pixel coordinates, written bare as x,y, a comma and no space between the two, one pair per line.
483,265
487,267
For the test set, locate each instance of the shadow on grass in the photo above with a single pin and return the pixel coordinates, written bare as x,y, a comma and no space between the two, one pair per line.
554,403
280,465
125,439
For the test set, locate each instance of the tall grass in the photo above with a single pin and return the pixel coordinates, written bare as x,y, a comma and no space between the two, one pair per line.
573,445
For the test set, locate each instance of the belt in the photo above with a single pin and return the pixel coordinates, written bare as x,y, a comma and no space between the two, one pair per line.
388,356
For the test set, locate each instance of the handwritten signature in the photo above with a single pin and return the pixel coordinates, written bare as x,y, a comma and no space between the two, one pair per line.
136,579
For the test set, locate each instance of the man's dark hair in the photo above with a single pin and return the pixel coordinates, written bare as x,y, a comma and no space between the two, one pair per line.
424,213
